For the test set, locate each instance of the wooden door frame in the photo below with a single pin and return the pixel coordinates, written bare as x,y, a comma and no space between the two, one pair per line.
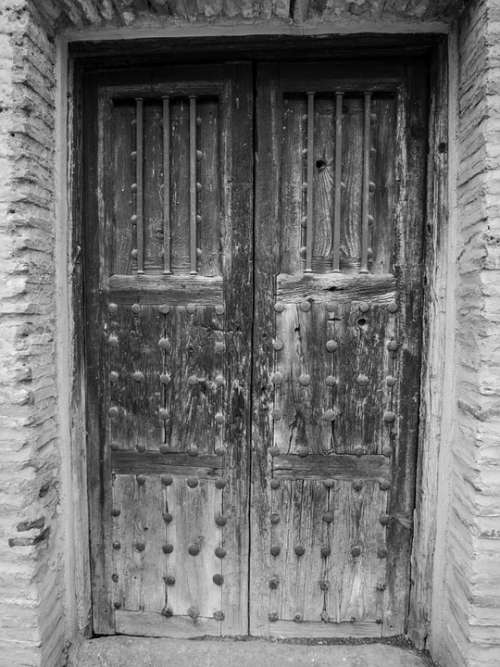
89,56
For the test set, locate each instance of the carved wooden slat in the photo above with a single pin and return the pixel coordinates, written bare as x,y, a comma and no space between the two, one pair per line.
139,147
337,220
166,184
192,184
324,147
310,181
179,161
293,142
366,181
153,188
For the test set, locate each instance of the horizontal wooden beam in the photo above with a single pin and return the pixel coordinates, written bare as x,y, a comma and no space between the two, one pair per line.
204,466
345,467
154,624
164,289
323,287
320,630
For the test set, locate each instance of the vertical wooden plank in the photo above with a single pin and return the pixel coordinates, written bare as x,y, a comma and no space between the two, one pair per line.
152,187
99,468
383,175
192,184
166,185
324,140
434,341
193,536
301,399
180,178
337,219
411,142
210,206
121,171
356,566
191,388
268,119
310,181
366,182
352,161
291,204
138,540
238,142
139,184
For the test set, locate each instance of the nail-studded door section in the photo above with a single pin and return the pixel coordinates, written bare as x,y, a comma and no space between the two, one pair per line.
253,380
168,284
340,191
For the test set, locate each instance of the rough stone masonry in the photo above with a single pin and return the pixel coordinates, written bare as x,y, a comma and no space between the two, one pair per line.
36,598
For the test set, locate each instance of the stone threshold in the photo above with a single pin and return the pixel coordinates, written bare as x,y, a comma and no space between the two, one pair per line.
118,651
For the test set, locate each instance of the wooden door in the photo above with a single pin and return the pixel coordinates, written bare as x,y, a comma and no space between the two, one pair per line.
168,258
301,326
341,154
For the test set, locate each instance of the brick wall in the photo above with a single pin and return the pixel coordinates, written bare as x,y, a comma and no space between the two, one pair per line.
31,523
470,632
31,611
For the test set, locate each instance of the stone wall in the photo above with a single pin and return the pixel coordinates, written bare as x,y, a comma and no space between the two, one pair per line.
32,540
470,614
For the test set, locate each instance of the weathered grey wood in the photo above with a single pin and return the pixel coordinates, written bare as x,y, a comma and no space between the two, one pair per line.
366,180
324,147
337,222
164,290
120,168
192,185
433,360
139,147
153,187
148,463
98,471
289,629
412,142
292,213
151,624
181,257
335,287
210,199
170,362
166,184
344,467
310,181
337,350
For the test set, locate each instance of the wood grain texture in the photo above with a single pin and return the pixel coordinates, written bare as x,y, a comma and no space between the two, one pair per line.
336,364
170,368
323,160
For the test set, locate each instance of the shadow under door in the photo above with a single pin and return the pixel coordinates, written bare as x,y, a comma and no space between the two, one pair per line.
253,300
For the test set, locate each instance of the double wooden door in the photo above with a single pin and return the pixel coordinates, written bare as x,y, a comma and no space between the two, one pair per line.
253,298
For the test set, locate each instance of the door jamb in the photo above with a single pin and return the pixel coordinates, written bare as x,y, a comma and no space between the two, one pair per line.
87,56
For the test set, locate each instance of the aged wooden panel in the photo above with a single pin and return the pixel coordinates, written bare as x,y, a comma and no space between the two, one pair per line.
324,321
336,348
169,351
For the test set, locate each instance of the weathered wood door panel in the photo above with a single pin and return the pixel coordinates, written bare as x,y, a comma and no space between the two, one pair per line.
339,213
169,252
301,325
